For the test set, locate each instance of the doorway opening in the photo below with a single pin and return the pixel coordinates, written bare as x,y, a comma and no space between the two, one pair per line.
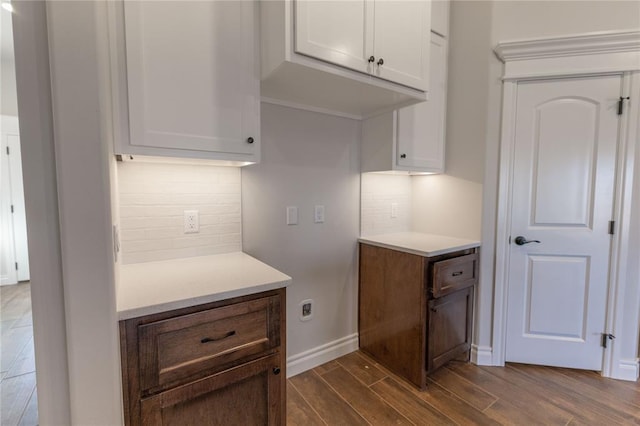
17,358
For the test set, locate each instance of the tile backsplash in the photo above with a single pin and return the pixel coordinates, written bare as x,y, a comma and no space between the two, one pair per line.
379,192
153,198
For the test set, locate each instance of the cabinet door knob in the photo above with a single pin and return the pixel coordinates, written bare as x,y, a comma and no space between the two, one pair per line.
372,59
380,61
276,370
249,139
403,155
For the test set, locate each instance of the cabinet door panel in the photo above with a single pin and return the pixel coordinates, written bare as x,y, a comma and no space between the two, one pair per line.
402,31
449,327
191,75
245,395
339,32
421,127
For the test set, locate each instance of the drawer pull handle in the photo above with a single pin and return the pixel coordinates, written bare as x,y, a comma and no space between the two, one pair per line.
276,370
455,274
209,339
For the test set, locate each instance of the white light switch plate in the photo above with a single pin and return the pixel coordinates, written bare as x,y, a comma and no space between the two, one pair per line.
318,216
292,215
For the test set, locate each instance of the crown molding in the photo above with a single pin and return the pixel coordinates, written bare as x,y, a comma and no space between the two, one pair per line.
584,44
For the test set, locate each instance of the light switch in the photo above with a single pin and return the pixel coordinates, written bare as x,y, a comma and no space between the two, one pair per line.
292,215
318,216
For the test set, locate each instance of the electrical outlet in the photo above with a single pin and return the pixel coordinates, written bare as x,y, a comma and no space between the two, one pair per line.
191,222
306,309
318,214
394,210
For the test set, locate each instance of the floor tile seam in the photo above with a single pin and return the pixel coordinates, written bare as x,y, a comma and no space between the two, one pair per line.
308,403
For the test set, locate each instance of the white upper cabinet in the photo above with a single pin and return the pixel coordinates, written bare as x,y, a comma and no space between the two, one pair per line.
389,39
335,31
411,139
440,10
355,57
187,79
401,42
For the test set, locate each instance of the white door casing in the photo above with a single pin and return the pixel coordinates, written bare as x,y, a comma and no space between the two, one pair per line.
566,134
582,55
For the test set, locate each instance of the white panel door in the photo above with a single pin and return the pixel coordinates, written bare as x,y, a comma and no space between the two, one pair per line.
402,38
566,134
421,127
338,31
191,74
13,222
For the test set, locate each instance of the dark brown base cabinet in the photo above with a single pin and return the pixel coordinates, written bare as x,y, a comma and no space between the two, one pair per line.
222,363
415,312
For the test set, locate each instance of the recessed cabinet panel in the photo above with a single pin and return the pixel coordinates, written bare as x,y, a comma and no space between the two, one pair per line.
335,31
421,127
191,73
401,48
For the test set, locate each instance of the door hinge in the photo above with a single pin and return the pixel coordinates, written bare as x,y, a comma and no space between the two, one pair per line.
605,338
7,150
16,266
612,227
621,104
11,208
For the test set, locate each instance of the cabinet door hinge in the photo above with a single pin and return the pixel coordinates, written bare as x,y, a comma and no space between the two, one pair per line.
7,150
605,338
16,266
11,208
612,227
621,104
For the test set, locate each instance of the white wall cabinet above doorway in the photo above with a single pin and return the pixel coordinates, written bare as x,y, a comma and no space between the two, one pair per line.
355,57
185,79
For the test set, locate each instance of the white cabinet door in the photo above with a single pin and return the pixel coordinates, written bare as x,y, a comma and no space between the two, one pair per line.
340,32
192,76
421,127
385,38
401,47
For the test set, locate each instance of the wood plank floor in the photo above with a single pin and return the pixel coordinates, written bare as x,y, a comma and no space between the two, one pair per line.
18,397
354,390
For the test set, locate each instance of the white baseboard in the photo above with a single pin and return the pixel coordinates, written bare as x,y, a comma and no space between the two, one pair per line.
481,355
628,369
314,357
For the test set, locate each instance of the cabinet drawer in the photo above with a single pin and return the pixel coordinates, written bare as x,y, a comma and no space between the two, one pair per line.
192,346
454,274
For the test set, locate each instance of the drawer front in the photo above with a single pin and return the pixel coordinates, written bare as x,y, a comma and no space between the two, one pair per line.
454,274
191,346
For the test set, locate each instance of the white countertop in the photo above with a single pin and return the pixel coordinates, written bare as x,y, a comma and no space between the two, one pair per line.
426,245
152,287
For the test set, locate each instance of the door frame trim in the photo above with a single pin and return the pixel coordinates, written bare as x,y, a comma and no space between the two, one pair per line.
570,57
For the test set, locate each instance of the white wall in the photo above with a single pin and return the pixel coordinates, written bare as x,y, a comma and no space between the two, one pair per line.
307,159
378,191
8,96
153,198
77,43
450,203
446,205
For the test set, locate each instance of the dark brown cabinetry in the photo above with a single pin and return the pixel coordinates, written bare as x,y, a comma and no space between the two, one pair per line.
415,312
216,364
